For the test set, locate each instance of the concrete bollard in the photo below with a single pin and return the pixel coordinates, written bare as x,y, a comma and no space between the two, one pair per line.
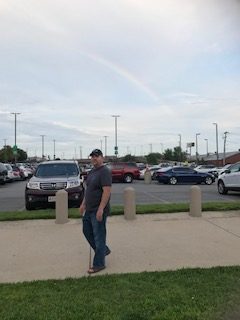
195,202
61,207
147,177
129,204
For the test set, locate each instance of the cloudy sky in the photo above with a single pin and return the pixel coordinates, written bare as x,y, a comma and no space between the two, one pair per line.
169,69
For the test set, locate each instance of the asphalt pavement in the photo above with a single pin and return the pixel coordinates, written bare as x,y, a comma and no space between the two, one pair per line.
12,194
42,249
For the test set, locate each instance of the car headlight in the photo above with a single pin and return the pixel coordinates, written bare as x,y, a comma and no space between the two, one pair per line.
33,185
73,184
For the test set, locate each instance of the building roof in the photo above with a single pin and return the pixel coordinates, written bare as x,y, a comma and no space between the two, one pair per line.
213,156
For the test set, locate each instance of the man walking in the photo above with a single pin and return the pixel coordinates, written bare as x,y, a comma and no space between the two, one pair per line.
95,208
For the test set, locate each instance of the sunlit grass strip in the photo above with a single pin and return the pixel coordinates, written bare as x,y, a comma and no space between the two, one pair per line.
118,210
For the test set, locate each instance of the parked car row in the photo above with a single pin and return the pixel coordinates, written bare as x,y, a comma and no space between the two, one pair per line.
3,173
12,172
51,176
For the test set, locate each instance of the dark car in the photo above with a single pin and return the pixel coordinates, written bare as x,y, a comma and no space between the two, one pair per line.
183,175
3,173
124,171
51,176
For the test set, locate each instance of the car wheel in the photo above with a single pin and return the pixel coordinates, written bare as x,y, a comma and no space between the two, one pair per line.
221,187
29,206
173,180
128,178
208,180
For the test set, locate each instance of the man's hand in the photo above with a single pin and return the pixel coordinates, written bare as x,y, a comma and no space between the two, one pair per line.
99,214
82,209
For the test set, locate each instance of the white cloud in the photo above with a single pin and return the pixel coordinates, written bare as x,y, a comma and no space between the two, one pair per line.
167,67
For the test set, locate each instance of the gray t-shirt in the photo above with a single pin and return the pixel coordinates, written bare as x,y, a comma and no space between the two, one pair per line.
97,179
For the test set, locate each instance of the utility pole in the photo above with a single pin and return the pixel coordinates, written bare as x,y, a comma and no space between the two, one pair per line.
116,145
151,148
206,146
224,147
15,116
161,147
180,141
42,135
180,148
54,154
80,151
15,134
105,151
214,123
5,145
197,134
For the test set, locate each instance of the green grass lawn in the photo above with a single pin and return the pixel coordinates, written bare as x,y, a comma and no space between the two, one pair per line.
187,294
118,210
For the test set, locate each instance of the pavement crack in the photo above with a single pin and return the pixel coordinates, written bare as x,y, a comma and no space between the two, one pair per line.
224,229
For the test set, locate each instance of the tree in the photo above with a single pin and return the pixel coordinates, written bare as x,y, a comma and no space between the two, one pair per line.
22,155
154,158
175,155
168,155
128,158
7,155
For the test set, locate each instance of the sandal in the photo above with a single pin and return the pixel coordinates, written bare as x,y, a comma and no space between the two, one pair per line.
108,251
95,269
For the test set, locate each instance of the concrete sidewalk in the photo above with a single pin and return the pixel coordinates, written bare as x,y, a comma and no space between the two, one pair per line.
42,249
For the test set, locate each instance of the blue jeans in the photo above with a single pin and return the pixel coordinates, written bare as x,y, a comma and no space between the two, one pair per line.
95,233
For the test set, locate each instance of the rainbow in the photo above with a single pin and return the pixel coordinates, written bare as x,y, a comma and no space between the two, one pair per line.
123,73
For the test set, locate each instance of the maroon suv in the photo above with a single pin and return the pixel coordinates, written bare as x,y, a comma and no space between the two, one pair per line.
124,171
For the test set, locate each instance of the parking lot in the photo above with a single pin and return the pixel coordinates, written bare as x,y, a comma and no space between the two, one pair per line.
12,194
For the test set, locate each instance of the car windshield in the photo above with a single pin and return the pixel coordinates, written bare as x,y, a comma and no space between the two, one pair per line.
57,170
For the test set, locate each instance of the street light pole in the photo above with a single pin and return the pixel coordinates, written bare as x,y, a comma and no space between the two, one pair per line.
116,146
15,116
180,146
105,138
54,155
206,146
80,152
151,147
180,141
42,135
197,134
224,147
161,147
15,134
214,123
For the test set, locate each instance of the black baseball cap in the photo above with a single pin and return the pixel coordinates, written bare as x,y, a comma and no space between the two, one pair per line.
96,152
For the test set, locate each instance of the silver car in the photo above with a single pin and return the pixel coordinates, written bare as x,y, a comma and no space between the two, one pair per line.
229,180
